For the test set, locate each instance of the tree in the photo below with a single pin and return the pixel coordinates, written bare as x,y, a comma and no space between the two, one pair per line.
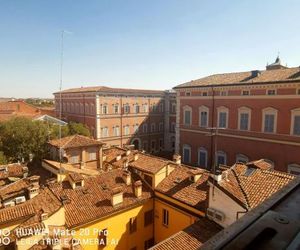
78,128
3,159
21,137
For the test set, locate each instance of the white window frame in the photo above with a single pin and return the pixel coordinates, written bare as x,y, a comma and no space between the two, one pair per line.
145,108
126,108
294,167
241,158
126,130
185,146
92,155
116,130
102,132
106,112
202,150
116,108
244,110
137,108
269,111
220,110
187,108
203,109
294,112
221,153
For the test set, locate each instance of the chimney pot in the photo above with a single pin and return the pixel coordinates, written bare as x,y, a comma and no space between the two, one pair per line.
127,177
138,188
117,196
177,159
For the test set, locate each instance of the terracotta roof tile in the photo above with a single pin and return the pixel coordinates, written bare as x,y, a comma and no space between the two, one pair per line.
76,177
84,207
111,90
249,184
265,76
14,213
179,186
74,141
191,238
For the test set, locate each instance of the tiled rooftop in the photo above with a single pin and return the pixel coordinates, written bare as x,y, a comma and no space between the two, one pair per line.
83,207
250,185
191,238
179,186
265,76
18,212
74,141
111,90
13,170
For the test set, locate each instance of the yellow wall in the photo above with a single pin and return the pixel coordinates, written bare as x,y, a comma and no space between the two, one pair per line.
178,220
117,226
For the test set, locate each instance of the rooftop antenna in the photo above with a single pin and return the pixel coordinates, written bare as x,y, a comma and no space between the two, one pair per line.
63,32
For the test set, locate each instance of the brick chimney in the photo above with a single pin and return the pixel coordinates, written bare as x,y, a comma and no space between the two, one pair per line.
127,177
116,196
138,188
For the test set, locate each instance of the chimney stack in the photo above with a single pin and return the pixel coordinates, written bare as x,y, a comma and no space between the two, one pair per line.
118,157
217,175
127,177
177,159
138,188
116,196
135,157
128,152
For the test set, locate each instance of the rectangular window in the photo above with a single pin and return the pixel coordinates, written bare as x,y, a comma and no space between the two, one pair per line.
204,94
126,130
132,225
153,145
298,91
203,119
245,92
116,131
145,108
148,218
173,108
126,109
202,158
74,159
271,92
104,132
104,109
296,130
173,126
269,123
92,156
116,109
244,121
145,128
137,109
165,218
223,93
188,93
149,243
160,127
187,117
161,143
222,120
186,155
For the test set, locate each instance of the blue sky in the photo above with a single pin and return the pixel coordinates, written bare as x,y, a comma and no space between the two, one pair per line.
153,44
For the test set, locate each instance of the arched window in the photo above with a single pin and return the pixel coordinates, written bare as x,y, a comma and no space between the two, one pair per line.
221,158
295,122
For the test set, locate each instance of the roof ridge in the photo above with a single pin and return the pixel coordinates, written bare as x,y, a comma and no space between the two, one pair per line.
242,189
